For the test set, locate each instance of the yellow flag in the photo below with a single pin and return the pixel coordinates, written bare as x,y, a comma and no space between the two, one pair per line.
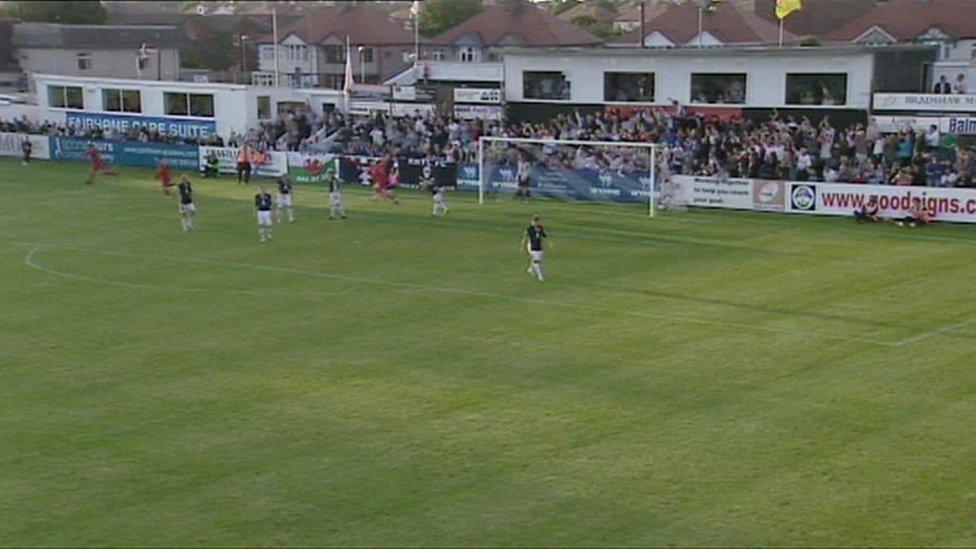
786,7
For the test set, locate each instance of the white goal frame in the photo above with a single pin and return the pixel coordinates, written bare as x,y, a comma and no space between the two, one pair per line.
640,145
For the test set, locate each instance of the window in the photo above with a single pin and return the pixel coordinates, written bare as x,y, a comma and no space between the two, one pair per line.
296,53
816,89
121,100
545,85
84,61
469,54
266,52
65,97
192,104
264,107
202,104
628,86
368,55
291,107
333,81
334,54
437,55
721,88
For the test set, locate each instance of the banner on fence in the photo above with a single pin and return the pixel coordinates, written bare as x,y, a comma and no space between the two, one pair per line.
571,183
477,95
484,112
125,153
925,102
182,128
959,125
11,143
957,205
312,168
268,164
411,172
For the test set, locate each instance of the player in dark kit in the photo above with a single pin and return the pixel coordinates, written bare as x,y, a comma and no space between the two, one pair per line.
26,147
286,196
535,237
188,210
97,164
263,204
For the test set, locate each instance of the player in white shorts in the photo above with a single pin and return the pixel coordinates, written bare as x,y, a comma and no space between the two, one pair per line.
188,209
263,205
440,202
286,196
335,198
533,240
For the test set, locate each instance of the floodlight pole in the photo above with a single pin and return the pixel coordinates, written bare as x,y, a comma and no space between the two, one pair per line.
481,170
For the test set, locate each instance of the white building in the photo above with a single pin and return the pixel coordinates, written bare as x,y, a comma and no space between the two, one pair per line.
222,107
764,78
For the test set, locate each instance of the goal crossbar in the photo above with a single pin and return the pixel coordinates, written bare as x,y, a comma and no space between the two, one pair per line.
578,142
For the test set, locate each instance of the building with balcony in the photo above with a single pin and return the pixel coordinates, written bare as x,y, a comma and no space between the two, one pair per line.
311,50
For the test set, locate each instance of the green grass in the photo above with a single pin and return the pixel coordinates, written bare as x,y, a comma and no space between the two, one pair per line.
701,378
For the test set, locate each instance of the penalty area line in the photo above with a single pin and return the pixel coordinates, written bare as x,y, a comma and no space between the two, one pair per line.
934,332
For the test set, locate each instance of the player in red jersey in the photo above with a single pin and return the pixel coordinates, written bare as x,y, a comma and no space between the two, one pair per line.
97,164
165,176
380,173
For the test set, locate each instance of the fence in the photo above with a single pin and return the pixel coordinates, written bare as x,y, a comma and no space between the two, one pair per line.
950,204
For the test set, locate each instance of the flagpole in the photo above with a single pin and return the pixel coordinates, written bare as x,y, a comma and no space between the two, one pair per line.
274,24
701,15
416,36
781,32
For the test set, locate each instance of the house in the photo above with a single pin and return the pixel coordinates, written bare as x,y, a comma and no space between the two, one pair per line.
950,24
312,48
10,75
817,18
516,25
628,16
588,10
111,51
724,24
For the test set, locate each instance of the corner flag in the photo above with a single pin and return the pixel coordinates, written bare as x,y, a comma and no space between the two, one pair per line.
786,7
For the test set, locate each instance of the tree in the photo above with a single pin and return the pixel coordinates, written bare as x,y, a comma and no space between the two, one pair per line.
436,16
563,5
593,27
75,12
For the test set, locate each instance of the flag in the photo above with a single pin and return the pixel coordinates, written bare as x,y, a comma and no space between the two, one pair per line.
415,8
786,7
349,82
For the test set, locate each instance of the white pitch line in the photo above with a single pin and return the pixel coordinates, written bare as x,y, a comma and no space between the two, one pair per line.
30,261
440,289
934,332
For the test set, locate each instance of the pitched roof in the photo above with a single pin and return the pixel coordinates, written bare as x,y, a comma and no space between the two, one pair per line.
588,9
362,24
527,25
726,22
817,18
907,19
52,35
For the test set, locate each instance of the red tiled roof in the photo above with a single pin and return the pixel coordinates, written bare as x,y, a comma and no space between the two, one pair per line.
817,17
363,25
906,19
532,26
726,22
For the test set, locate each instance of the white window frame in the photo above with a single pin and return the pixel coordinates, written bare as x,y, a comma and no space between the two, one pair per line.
469,54
85,59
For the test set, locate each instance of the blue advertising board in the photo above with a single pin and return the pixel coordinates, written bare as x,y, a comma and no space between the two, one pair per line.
125,153
571,184
182,128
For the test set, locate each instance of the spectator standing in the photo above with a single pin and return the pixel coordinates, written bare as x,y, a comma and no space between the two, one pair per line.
960,86
942,86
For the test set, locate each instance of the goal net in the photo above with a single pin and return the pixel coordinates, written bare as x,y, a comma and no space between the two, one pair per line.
605,171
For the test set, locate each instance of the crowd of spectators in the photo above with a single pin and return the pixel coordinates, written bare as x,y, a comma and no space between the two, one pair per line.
781,147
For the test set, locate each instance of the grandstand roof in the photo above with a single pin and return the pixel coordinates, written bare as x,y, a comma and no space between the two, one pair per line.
526,25
727,22
53,35
906,20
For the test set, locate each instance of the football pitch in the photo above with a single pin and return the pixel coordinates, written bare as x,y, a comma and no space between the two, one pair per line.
702,378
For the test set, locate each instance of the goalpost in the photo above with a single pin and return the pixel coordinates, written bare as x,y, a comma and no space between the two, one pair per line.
573,169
